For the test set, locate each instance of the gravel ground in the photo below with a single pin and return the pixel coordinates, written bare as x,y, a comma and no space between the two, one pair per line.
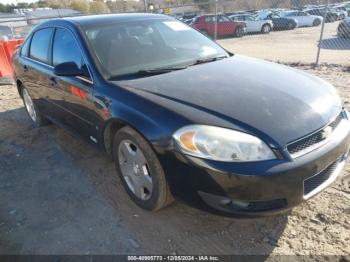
59,195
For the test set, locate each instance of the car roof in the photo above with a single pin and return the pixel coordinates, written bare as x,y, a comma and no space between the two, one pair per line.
104,19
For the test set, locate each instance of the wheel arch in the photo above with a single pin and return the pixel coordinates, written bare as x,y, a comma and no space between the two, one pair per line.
265,24
19,85
113,125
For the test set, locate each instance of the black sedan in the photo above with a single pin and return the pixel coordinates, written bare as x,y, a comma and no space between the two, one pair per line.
181,116
344,28
282,23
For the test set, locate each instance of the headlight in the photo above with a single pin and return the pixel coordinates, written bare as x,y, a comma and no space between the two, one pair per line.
221,144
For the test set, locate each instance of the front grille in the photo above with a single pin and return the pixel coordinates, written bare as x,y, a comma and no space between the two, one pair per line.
311,140
315,181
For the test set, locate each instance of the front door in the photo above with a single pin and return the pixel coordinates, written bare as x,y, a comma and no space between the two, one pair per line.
73,95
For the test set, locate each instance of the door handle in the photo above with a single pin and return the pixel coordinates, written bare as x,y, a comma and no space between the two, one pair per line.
53,81
25,68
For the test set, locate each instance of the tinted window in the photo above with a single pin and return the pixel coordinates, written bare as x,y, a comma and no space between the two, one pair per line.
210,19
65,48
39,48
223,19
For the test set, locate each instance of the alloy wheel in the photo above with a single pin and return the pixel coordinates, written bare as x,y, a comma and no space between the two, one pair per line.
266,29
29,104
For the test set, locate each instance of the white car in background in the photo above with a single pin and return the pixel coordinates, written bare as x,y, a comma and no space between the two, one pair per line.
343,11
253,24
303,18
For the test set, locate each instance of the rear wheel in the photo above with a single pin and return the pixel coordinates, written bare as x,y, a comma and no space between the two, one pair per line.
32,109
140,170
239,31
316,22
266,29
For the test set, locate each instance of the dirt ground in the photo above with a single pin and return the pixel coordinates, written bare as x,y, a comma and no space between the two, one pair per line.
299,45
59,195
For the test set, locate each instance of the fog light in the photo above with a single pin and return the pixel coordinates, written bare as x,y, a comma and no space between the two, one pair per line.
240,203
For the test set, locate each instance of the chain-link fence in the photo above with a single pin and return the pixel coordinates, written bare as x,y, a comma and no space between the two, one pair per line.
287,31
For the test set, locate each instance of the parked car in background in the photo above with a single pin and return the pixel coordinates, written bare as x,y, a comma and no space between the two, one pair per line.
343,10
253,25
331,14
225,26
344,28
303,18
281,23
181,117
5,33
189,21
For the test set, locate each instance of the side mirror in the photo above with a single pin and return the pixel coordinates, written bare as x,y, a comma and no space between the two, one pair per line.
68,69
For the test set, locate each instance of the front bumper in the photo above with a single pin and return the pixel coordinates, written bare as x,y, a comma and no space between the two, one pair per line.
260,188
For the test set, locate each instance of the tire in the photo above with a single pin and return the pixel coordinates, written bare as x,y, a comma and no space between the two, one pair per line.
145,184
266,29
32,109
204,33
316,22
239,32
290,26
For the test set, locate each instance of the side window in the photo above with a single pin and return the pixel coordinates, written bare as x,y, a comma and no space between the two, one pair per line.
65,48
25,47
210,19
223,19
40,45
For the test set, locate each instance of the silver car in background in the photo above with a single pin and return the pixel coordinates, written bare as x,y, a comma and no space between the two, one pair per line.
303,18
254,25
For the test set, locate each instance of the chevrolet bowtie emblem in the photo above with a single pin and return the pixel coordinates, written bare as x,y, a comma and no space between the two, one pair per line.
326,132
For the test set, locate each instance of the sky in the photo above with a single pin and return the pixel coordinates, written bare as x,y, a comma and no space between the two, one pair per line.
5,2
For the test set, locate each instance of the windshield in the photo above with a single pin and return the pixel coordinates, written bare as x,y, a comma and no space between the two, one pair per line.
125,48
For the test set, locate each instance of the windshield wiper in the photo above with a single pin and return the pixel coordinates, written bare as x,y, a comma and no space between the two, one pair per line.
148,72
157,71
208,60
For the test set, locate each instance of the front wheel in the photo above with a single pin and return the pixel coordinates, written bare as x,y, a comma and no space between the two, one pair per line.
316,22
140,170
266,29
32,109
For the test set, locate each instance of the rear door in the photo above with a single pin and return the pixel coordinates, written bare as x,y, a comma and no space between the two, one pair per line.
225,26
252,24
36,67
210,24
305,19
73,95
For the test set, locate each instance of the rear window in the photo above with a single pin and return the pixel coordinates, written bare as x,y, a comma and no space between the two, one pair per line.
40,45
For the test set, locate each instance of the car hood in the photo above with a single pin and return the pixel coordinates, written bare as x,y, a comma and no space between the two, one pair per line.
282,103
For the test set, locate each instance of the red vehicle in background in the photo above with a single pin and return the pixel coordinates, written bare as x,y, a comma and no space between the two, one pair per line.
225,26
